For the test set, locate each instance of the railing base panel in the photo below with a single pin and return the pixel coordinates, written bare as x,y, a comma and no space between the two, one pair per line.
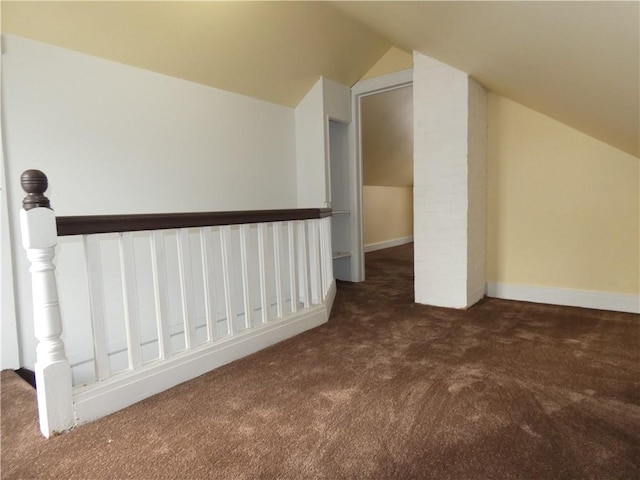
100,399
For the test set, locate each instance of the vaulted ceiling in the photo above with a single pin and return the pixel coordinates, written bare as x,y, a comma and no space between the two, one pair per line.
273,51
574,61
577,62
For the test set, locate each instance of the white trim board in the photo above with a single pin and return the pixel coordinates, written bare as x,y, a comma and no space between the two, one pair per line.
390,81
617,302
395,242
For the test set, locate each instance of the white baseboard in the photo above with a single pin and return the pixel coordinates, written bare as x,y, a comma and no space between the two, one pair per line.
396,242
99,399
617,302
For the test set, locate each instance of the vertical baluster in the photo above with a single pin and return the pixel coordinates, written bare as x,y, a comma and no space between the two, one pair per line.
323,256
303,262
314,264
293,280
227,274
130,295
264,300
244,260
160,293
331,278
96,301
322,266
329,250
186,288
206,242
326,255
278,267
52,368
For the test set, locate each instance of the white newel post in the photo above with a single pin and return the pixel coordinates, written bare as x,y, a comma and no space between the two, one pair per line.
52,368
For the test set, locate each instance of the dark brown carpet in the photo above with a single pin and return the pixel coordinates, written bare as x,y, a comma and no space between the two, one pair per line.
387,389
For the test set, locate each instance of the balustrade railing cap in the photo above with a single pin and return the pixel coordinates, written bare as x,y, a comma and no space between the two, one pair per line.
34,183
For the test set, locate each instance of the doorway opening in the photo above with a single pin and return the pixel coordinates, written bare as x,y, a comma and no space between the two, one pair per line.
371,93
387,165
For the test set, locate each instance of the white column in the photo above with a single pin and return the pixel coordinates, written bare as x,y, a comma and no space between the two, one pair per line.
53,372
449,184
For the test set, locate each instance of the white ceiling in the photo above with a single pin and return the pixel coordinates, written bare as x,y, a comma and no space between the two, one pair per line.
577,62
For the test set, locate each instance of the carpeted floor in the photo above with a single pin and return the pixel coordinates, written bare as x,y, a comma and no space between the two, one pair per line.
386,390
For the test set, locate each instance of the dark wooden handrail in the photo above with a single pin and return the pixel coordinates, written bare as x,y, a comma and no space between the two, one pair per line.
83,225
35,183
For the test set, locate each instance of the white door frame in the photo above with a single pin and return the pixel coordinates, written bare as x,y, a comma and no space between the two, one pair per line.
361,89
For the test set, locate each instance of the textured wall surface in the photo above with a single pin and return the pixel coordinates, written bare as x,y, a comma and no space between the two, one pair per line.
448,176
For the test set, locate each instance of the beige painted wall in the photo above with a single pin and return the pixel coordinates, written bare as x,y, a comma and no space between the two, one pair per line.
563,208
388,213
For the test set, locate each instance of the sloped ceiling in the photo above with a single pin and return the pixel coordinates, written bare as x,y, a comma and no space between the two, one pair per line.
574,61
273,51
577,62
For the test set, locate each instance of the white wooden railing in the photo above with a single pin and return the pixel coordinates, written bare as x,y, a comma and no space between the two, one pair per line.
197,291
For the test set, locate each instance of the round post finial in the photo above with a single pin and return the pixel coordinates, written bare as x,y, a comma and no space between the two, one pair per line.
34,183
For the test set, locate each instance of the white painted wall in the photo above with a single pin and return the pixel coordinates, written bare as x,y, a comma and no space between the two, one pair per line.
327,100
337,101
117,139
164,144
449,178
311,150
9,353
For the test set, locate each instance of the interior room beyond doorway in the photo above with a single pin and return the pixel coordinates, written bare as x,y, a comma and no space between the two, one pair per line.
387,165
